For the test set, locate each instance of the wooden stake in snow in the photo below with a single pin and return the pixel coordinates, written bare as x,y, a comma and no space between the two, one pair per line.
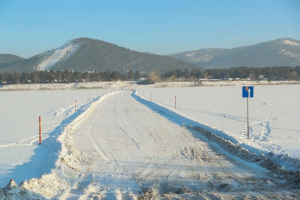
175,102
151,97
40,130
75,105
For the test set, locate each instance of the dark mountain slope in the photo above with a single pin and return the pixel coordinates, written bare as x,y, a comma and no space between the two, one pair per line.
84,54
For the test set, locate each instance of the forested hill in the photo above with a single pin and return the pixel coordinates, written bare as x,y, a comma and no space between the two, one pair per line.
84,54
9,59
281,52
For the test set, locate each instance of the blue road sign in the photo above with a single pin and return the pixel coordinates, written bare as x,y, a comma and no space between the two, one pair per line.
248,90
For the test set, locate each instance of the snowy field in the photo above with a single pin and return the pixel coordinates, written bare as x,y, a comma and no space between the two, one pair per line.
19,127
121,145
274,114
19,113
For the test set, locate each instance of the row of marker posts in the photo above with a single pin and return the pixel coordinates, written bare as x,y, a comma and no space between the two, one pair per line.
247,92
175,103
40,120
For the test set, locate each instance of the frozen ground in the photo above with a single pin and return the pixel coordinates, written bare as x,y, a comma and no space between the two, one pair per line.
19,112
122,146
19,128
274,114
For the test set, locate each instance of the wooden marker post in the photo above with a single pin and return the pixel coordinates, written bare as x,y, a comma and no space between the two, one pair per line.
151,97
75,105
40,130
175,102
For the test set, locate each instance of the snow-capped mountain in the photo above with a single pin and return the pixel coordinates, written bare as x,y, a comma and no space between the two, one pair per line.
281,52
84,54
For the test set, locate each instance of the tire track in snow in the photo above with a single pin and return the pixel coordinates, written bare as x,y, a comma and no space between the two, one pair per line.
172,161
167,158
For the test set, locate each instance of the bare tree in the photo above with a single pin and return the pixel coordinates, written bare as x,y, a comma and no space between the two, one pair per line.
154,76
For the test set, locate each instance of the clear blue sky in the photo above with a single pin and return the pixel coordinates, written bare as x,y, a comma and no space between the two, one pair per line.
30,27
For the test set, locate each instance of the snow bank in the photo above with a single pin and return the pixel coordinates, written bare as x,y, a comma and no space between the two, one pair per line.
274,131
60,163
65,86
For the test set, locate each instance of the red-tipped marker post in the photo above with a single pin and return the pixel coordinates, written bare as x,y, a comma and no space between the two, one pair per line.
40,130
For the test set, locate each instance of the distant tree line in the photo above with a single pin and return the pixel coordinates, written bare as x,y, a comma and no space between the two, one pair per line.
66,76
254,73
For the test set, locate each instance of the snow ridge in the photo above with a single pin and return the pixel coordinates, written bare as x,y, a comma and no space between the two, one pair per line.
56,55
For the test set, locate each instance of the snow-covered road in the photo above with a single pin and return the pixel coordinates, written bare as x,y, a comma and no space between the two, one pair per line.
124,149
121,146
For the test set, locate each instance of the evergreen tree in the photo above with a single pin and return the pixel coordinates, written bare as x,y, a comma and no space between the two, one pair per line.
130,75
137,75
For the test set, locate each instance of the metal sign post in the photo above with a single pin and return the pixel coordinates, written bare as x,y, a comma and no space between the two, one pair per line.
248,92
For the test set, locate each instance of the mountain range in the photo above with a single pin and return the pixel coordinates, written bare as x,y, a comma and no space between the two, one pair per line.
280,52
85,54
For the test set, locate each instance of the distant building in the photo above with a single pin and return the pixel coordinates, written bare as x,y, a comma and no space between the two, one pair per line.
251,77
141,80
181,78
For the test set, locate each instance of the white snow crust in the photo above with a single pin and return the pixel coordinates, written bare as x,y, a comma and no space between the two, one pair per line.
288,42
56,55
274,114
196,57
115,144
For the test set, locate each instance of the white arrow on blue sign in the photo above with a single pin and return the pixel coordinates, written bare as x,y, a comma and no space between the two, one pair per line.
248,91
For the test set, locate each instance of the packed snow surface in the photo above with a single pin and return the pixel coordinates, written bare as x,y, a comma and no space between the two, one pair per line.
274,113
130,145
19,113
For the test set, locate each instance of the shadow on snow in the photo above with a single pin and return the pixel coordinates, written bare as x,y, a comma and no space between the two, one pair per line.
45,155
